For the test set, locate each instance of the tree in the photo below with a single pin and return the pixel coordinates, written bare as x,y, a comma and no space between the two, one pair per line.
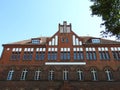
109,10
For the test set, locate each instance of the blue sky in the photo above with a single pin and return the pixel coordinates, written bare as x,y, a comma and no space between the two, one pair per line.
25,19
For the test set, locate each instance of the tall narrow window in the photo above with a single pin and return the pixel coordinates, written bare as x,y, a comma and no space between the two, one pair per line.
40,55
52,55
78,53
116,55
94,75
51,75
16,53
80,75
37,75
109,75
91,55
65,74
28,53
10,75
65,55
23,74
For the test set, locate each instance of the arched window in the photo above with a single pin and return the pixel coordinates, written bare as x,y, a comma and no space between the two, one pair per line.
94,74
109,75
51,75
37,75
65,74
10,74
23,74
80,74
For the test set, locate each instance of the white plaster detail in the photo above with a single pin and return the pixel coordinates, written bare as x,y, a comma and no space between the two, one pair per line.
65,63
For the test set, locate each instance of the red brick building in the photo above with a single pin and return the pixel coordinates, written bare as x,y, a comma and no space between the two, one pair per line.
64,61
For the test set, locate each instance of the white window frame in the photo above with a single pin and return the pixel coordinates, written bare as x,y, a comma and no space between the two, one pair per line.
80,72
51,74
23,74
108,72
94,73
65,74
37,75
10,74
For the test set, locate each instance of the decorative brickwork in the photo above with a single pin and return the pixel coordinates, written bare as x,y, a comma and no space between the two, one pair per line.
64,61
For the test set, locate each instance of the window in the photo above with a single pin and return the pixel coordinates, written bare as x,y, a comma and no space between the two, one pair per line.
40,55
10,75
23,74
91,55
65,74
16,53
95,40
104,55
108,75
78,55
94,75
27,56
116,55
80,74
35,41
28,52
15,56
65,55
52,55
37,75
51,75
64,39
116,52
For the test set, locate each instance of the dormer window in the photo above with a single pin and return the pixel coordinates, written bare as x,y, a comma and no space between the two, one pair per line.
96,40
35,41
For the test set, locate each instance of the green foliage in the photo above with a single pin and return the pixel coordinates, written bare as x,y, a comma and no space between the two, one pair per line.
109,10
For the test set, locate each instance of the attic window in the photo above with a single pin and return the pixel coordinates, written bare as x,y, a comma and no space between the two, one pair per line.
35,41
96,40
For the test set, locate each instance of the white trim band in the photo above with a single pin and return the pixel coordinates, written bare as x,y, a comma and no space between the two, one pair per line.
65,63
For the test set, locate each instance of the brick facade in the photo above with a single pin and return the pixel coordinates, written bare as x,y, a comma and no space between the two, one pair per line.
99,67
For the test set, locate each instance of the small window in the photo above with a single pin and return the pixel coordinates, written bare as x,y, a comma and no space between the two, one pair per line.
23,74
35,41
80,74
66,40
94,75
96,40
65,74
51,75
63,40
10,75
37,75
109,75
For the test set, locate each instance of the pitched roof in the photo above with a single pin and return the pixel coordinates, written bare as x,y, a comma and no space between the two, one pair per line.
85,39
29,41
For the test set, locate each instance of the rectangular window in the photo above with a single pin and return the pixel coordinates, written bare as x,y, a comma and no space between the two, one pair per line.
52,55
80,75
104,55
10,75
23,75
37,75
15,56
51,75
90,55
78,55
35,41
40,55
116,55
27,55
65,75
65,55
